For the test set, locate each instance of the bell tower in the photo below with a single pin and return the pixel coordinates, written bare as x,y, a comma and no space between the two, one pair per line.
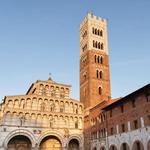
94,61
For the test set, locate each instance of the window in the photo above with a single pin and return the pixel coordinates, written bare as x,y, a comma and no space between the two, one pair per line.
101,60
99,90
135,122
93,30
111,113
95,58
133,103
101,33
97,74
100,74
99,45
76,125
111,131
98,60
93,43
123,127
102,46
122,109
96,44
96,31
148,97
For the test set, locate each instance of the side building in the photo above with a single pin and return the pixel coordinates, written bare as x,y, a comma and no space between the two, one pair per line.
123,124
45,118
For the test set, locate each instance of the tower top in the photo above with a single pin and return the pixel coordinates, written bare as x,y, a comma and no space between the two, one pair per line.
92,17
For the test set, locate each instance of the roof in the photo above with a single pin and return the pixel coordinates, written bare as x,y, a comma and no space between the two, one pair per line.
127,97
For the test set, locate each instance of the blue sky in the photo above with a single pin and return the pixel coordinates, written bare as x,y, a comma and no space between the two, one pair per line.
38,37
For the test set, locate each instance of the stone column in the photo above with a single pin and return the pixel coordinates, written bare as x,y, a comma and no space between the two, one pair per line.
142,122
117,129
129,126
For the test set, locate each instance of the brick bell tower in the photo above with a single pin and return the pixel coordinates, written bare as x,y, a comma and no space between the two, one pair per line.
94,61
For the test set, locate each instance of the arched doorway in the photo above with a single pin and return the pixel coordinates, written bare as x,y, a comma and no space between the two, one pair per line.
73,144
137,145
50,143
113,147
124,146
102,148
19,142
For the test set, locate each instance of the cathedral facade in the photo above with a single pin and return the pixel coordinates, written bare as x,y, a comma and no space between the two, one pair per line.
46,118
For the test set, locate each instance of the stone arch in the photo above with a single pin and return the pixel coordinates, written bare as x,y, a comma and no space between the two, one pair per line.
124,146
16,103
10,104
75,138
102,148
137,145
19,142
113,147
22,132
22,103
49,134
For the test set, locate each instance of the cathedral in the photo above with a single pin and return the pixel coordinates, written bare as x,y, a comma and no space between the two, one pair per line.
47,118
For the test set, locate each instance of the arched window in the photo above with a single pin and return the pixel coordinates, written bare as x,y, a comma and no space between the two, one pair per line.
95,58
99,90
102,46
98,59
101,33
100,74
99,45
96,44
97,74
93,43
101,60
96,31
93,30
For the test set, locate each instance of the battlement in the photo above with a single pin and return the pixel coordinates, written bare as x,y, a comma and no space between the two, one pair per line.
91,17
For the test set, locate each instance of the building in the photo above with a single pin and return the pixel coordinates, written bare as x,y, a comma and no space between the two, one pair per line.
109,124
45,118
125,124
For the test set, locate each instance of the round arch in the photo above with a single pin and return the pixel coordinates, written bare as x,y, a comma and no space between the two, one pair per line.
50,142
124,146
102,148
137,145
113,147
19,142
51,134
78,138
73,144
22,132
